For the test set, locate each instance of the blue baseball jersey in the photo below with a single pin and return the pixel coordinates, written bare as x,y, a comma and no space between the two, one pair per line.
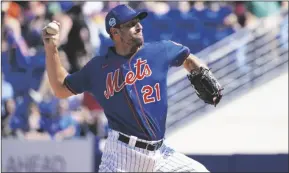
132,91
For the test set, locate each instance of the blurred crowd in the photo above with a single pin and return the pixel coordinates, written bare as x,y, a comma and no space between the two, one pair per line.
29,109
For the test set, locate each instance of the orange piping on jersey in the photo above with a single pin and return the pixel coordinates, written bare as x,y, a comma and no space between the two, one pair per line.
68,87
135,117
131,108
139,99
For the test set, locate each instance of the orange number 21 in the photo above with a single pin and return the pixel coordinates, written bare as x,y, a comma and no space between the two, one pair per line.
147,91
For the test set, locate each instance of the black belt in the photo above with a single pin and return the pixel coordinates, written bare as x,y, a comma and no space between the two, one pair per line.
139,144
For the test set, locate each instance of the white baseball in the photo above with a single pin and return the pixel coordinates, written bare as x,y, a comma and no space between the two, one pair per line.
52,28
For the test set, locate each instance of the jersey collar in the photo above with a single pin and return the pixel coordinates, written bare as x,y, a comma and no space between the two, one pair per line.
112,54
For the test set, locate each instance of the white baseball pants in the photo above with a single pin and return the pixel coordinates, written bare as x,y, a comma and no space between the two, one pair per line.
122,157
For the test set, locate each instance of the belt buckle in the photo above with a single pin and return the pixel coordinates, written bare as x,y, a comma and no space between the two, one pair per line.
156,145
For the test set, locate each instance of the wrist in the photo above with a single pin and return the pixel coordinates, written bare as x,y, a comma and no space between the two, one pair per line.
196,70
50,49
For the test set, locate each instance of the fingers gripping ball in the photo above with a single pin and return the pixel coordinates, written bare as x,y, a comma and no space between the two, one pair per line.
206,85
52,28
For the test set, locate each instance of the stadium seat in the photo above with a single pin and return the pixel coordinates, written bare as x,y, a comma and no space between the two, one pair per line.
174,14
161,28
189,32
19,118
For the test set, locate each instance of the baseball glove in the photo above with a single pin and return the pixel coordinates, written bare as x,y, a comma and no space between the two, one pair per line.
206,85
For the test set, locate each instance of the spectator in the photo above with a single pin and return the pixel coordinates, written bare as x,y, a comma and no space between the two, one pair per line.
269,11
77,53
35,130
269,16
34,20
7,108
230,18
68,126
157,7
44,93
13,24
262,9
197,8
184,6
240,11
94,14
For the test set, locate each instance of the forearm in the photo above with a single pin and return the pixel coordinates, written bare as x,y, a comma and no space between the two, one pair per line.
193,63
55,71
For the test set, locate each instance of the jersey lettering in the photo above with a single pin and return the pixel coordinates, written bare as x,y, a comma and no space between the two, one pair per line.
112,79
138,65
112,85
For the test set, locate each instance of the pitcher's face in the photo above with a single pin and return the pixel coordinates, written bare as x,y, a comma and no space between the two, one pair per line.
131,33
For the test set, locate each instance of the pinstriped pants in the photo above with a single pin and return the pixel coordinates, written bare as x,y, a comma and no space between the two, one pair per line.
121,157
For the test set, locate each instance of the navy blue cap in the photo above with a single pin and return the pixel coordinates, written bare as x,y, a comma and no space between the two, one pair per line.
122,14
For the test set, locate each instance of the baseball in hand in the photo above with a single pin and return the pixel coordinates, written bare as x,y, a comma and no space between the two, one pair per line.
52,28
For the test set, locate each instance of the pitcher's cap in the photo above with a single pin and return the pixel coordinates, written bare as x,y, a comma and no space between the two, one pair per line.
122,14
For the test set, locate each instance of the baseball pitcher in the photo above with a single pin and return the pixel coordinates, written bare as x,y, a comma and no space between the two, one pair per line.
129,82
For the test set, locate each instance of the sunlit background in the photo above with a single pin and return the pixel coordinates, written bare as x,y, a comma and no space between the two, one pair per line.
244,43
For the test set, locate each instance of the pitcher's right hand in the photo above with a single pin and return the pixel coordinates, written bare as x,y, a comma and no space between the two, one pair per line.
50,40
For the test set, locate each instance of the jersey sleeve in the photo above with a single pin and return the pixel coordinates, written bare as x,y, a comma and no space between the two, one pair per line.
79,81
176,53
